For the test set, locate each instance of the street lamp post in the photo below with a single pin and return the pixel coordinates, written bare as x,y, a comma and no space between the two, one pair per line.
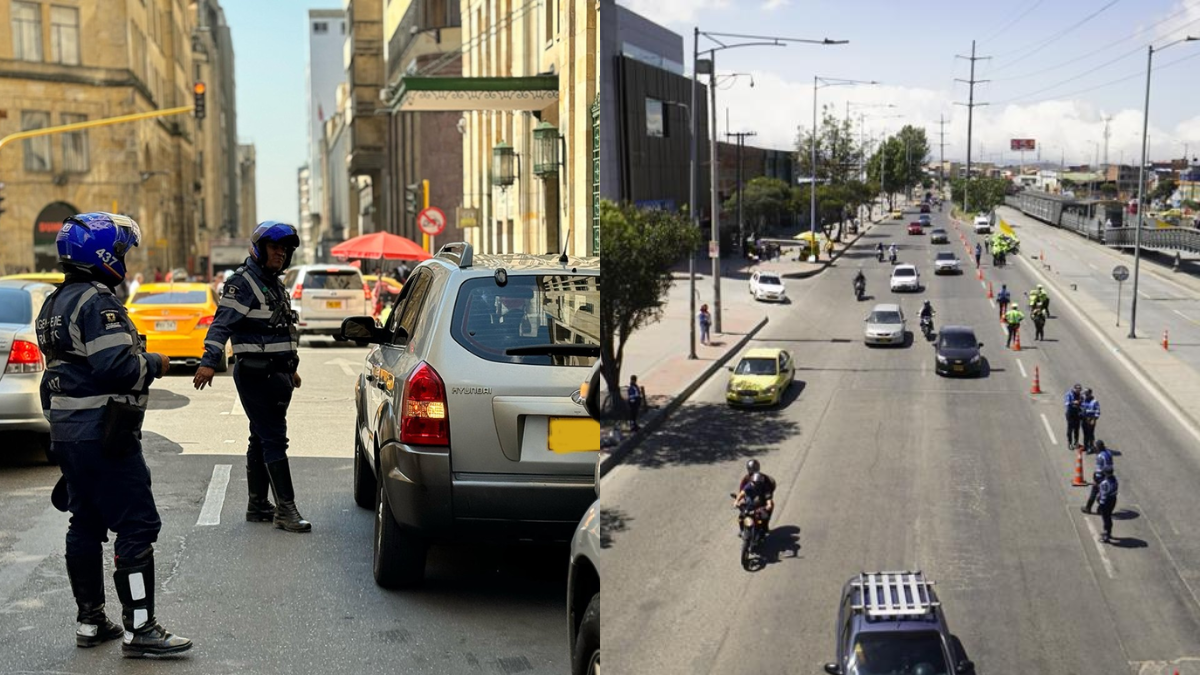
818,83
696,222
748,41
1141,204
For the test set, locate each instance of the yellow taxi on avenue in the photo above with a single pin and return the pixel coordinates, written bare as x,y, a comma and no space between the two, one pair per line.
761,377
175,317
55,278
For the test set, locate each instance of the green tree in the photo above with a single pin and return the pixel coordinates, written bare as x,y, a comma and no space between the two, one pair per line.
983,194
839,154
766,202
640,246
1165,188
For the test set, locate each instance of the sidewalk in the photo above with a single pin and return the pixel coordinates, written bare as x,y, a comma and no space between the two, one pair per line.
658,353
1080,272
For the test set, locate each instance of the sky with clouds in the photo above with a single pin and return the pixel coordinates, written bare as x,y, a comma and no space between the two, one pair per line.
1058,68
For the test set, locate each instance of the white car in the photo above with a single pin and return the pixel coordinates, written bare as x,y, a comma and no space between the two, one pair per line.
906,278
885,325
983,224
323,295
946,262
767,286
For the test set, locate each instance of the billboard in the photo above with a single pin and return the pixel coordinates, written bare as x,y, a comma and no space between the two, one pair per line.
1017,144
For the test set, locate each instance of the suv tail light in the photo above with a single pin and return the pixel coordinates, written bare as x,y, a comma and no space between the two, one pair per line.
204,321
424,419
25,357
367,292
297,292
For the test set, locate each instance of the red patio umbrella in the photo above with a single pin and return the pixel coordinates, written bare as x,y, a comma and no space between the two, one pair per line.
379,245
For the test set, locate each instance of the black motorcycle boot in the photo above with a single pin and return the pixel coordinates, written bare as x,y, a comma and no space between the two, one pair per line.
259,508
287,516
144,636
87,585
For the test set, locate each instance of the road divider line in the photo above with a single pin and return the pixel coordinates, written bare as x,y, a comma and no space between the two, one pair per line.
1108,566
1185,316
1022,367
210,513
1049,431
237,408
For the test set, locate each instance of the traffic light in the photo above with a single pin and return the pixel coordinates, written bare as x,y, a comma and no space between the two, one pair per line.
198,90
416,197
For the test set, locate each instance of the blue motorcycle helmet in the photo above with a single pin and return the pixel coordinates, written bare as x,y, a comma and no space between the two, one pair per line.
277,232
96,243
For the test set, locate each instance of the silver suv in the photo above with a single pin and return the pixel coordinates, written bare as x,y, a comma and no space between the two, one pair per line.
470,421
323,295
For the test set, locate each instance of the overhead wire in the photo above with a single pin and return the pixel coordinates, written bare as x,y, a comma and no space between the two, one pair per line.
1022,54
1118,80
1011,23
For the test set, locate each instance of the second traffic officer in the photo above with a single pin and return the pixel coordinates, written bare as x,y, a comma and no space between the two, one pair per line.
256,315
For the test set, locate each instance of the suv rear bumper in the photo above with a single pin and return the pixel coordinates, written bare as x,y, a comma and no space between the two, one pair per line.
431,500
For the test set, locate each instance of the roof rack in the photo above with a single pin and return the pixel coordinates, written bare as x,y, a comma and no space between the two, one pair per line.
459,251
894,594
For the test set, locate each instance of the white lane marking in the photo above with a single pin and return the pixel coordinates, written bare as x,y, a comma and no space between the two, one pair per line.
344,365
237,408
1022,367
210,513
1185,316
1049,431
1093,267
1108,566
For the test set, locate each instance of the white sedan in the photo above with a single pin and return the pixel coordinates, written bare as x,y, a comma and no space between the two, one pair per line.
983,224
767,286
946,262
906,278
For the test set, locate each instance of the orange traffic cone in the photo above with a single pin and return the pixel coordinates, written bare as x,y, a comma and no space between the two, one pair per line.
990,296
1166,342
1017,340
1078,481
1037,381
979,273
1042,255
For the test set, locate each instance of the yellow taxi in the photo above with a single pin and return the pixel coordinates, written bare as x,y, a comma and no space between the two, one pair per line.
175,317
392,288
761,377
55,278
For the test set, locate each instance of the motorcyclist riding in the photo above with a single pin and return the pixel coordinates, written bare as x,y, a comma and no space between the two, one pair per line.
860,284
757,487
879,251
927,314
892,250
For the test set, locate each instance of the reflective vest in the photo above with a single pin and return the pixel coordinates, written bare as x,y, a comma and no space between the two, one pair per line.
256,316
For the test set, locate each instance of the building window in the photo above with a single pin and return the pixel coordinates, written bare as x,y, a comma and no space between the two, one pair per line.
320,27
74,145
551,18
37,150
27,31
64,35
342,24
656,123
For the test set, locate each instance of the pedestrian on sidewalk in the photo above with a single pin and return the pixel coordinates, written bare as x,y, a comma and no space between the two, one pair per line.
705,320
1013,318
634,394
1104,460
978,253
1090,412
1039,323
1108,502
1073,406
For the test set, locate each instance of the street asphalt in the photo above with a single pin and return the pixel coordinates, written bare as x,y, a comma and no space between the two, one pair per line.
259,600
882,465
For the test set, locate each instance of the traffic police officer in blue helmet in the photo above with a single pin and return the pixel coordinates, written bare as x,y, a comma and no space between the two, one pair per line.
255,313
94,392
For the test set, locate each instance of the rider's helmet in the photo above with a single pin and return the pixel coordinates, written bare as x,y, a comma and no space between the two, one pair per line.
928,303
752,467
1087,393
1041,289
1078,388
96,243
758,479
275,232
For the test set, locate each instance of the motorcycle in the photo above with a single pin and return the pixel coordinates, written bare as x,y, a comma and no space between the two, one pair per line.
927,327
879,254
892,256
860,290
753,533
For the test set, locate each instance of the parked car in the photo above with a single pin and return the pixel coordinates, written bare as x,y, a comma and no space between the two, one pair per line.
20,381
892,622
905,278
956,352
939,236
885,325
761,377
480,364
983,224
323,295
767,286
175,318
946,262
55,278
583,594
916,228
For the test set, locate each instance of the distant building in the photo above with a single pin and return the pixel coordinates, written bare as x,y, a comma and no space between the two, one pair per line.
304,219
326,70
247,187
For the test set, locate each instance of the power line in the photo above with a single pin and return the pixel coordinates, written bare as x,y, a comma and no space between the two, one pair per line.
1116,81
1010,24
1031,50
971,105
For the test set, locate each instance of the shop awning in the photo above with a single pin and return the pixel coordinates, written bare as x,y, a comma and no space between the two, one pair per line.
450,94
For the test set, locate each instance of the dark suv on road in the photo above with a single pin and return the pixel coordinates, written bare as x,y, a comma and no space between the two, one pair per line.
891,623
470,421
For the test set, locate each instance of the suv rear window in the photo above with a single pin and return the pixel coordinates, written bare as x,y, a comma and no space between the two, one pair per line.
529,311
15,306
171,298
333,280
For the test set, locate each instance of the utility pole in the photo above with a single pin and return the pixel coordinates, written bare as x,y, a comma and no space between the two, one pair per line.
942,153
971,105
741,142
1107,133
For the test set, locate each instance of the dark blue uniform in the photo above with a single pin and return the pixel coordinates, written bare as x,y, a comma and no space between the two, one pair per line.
1108,502
1103,460
95,363
255,314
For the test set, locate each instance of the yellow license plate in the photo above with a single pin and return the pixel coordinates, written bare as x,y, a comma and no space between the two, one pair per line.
333,304
164,326
573,434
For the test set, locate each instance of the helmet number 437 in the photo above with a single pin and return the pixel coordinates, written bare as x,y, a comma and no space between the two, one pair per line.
106,257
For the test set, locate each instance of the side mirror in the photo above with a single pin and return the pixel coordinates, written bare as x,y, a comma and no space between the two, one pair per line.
363,328
832,669
965,667
980,344
729,368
